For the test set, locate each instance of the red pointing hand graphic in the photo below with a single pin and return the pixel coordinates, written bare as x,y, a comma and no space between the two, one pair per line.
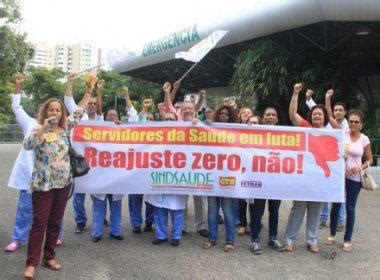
324,148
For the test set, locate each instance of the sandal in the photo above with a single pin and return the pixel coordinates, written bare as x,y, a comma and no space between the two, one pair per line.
229,248
241,231
329,240
29,272
51,264
347,247
208,245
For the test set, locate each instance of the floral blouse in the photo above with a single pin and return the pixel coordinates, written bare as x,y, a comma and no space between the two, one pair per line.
51,161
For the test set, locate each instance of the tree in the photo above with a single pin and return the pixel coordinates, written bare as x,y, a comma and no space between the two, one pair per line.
139,90
43,84
270,70
15,52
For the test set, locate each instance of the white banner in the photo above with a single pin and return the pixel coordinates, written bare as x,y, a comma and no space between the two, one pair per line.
199,50
231,160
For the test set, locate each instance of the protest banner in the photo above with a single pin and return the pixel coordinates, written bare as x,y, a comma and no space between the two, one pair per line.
231,160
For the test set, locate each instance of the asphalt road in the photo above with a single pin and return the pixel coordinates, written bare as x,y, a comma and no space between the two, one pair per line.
137,258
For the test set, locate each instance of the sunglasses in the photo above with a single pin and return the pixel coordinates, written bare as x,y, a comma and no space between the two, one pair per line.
354,122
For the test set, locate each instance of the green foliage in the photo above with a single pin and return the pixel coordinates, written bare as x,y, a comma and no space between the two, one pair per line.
270,71
261,68
15,52
138,89
43,84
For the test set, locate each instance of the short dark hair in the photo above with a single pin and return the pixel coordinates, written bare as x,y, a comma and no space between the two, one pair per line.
109,109
341,104
323,108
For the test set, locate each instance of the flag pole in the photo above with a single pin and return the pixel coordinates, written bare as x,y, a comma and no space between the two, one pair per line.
90,69
187,72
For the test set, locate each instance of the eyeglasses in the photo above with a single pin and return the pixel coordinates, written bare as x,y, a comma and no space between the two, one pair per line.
354,122
169,119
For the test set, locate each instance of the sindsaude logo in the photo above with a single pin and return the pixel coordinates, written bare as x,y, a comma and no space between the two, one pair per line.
186,180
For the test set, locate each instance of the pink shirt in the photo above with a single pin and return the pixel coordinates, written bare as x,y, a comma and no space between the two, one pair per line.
171,109
354,153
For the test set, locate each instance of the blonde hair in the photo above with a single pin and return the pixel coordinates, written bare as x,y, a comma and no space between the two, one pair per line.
42,113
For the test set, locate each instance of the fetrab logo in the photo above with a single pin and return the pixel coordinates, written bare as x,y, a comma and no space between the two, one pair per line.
182,180
251,184
227,181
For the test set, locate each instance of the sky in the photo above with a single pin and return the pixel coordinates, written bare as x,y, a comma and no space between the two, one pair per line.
111,23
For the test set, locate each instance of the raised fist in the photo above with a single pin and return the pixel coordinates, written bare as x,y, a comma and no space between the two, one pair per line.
100,84
297,88
176,85
166,87
309,93
202,93
20,79
125,90
72,76
329,93
147,103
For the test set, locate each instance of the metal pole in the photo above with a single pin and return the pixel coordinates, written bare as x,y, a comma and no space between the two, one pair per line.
187,72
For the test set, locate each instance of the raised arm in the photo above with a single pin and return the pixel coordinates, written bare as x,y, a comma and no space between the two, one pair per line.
309,98
293,107
147,104
175,89
69,101
99,97
130,109
128,102
22,117
332,121
202,98
167,99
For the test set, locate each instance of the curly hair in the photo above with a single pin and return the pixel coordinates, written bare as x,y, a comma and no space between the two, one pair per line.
232,114
42,112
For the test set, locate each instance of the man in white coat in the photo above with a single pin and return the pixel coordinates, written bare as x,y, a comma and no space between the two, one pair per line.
93,112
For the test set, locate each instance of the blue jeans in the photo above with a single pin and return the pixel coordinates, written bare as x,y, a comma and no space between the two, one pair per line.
214,204
99,208
24,218
161,222
256,214
235,203
79,209
325,213
135,208
352,193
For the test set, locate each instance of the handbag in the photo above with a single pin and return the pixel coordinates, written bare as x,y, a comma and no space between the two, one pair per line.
78,163
368,183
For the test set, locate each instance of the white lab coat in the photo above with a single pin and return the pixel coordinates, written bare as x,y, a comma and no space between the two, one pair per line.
24,164
168,201
71,107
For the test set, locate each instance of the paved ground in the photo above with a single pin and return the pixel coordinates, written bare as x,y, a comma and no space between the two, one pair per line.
137,258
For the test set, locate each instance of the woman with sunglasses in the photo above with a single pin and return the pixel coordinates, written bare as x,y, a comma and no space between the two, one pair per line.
357,147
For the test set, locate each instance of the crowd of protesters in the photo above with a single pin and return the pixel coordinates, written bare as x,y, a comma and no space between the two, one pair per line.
42,174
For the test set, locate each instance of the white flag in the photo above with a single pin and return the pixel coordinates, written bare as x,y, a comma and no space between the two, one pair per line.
198,51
